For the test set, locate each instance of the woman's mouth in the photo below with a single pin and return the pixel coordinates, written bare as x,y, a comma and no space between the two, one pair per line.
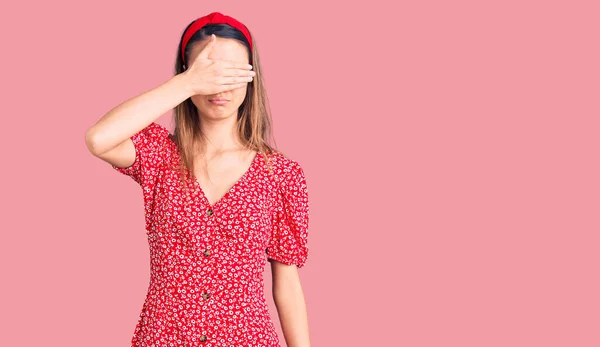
218,101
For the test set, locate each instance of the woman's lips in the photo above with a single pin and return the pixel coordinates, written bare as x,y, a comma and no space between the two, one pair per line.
218,101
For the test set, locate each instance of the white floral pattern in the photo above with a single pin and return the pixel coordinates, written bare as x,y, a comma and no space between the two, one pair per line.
207,261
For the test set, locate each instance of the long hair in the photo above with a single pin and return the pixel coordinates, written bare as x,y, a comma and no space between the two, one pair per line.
253,117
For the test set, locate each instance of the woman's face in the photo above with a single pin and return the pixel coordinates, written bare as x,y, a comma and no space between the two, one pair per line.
224,49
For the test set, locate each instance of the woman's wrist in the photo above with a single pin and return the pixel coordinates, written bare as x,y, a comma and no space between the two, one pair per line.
183,81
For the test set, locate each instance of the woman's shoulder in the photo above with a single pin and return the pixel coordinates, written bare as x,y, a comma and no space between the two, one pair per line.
283,162
284,167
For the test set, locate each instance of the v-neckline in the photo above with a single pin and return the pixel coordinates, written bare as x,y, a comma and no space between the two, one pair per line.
232,188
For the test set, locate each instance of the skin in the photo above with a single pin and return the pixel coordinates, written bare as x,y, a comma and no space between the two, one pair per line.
226,166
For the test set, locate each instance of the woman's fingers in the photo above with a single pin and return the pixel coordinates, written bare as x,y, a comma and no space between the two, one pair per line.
226,87
214,76
235,79
235,73
233,68
229,64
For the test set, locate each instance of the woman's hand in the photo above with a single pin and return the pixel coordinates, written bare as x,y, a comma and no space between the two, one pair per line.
208,76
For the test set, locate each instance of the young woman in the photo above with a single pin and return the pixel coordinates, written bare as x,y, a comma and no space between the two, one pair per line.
219,200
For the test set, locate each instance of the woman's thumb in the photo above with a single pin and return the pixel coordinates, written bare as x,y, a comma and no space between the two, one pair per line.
208,48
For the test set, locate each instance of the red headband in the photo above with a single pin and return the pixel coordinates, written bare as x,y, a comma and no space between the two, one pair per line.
213,18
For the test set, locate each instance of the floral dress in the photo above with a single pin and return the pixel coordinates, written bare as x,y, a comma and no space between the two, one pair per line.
207,261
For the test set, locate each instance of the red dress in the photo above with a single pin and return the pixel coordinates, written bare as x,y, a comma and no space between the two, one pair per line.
206,262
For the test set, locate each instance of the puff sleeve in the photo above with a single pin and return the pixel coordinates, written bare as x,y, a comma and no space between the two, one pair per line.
289,228
150,147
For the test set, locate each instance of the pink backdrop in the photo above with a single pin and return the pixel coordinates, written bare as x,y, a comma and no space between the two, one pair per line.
450,148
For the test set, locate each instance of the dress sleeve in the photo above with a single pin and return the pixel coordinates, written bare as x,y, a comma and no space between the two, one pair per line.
150,145
289,233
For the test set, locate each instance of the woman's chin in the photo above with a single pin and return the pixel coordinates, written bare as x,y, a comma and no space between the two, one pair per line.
217,112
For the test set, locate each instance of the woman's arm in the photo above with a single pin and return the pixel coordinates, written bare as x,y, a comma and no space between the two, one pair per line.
109,138
291,307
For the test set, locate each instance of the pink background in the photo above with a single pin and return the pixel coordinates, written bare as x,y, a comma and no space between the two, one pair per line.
450,148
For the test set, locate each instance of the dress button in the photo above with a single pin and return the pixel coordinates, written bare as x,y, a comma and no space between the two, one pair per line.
206,252
206,295
209,212
203,338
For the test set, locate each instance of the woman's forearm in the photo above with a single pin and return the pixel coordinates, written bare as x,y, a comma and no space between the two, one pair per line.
136,113
291,308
